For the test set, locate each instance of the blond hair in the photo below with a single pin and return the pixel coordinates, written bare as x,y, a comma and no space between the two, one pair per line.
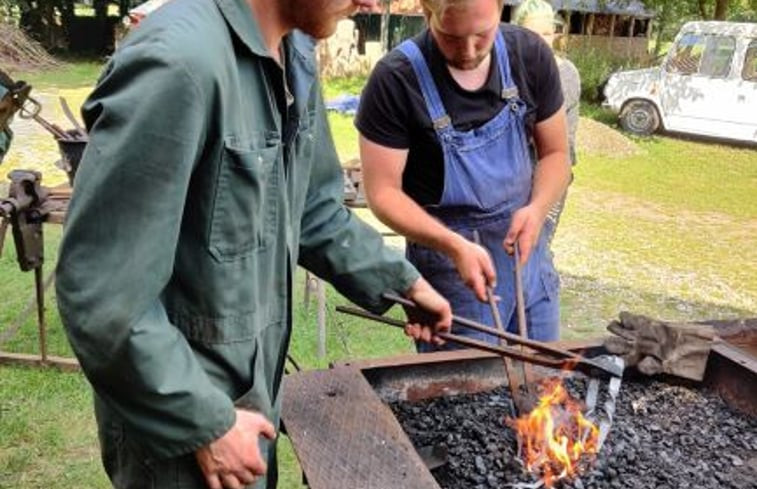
533,11
435,8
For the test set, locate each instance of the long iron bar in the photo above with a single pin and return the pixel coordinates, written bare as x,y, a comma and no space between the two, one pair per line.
568,356
70,116
515,371
581,364
520,308
40,290
512,338
23,315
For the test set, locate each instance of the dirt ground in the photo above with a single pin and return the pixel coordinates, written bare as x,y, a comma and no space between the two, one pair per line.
33,148
596,138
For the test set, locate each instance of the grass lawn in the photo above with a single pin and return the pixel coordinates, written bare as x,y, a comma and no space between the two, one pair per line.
669,232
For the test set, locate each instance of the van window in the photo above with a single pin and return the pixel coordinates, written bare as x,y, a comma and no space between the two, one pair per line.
702,54
718,55
687,55
749,73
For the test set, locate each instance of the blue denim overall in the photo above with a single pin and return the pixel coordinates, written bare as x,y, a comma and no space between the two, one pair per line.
487,176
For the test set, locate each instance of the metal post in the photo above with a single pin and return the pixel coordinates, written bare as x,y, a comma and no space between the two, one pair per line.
306,294
321,291
40,289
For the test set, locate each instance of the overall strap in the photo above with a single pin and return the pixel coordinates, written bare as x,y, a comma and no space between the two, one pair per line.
509,89
439,116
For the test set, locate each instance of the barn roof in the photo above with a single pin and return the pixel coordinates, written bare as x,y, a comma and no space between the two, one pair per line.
620,7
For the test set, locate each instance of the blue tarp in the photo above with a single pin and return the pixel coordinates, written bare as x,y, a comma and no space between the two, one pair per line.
345,104
619,7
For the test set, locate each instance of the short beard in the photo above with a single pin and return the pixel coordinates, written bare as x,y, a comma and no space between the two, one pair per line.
476,64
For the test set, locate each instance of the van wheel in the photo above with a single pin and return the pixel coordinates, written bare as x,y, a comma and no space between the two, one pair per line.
640,117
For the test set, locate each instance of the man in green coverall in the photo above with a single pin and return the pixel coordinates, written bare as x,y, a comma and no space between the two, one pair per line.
209,175
9,104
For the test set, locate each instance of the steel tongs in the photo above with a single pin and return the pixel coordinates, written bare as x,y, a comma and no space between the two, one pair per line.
519,375
543,354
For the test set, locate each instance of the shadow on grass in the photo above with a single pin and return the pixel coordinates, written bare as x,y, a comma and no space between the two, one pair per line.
588,304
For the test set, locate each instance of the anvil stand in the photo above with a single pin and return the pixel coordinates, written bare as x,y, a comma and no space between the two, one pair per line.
28,206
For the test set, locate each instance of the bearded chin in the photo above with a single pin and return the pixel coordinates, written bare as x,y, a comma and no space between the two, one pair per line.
317,24
318,30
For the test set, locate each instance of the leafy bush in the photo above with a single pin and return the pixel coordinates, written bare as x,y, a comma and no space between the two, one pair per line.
596,66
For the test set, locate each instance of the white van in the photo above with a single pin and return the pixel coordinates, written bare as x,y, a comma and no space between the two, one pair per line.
706,86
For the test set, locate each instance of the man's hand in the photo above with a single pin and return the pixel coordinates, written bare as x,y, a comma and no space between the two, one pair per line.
474,264
436,316
525,229
234,460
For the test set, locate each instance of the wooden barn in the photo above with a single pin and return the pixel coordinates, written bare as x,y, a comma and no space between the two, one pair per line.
623,26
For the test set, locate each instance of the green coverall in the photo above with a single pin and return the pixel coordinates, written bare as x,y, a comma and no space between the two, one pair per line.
199,191
7,108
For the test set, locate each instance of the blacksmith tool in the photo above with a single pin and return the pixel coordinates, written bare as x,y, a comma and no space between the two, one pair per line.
520,307
603,416
514,370
31,110
547,356
80,132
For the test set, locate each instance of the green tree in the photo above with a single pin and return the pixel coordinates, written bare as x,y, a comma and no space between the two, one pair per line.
671,14
51,21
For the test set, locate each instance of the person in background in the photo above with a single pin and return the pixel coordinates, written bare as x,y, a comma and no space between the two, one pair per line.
445,123
12,97
539,16
210,173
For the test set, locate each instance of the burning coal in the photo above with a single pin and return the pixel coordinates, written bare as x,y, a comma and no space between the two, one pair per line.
555,440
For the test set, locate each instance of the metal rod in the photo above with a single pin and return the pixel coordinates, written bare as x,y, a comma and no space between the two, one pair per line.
22,316
40,288
462,340
512,338
583,365
70,116
52,128
520,307
4,221
321,317
294,363
567,358
33,113
514,380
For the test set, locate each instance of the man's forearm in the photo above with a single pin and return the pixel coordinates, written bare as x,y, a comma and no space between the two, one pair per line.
398,211
551,179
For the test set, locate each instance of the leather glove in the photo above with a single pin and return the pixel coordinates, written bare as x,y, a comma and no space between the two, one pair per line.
656,347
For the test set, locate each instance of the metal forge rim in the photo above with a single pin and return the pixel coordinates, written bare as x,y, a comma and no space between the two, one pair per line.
346,437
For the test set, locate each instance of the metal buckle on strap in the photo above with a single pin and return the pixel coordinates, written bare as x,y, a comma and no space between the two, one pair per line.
442,122
510,92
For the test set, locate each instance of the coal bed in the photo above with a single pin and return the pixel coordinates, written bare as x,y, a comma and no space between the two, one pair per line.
663,436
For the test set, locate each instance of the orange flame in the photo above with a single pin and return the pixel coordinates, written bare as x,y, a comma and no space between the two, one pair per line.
554,437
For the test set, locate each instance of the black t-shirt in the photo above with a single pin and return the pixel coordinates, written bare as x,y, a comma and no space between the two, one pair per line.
393,111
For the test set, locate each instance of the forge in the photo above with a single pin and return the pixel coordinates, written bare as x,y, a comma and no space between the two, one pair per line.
360,424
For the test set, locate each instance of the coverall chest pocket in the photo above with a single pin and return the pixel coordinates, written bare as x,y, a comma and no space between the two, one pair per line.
244,210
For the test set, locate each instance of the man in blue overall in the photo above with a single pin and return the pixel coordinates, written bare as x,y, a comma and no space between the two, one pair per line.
446,120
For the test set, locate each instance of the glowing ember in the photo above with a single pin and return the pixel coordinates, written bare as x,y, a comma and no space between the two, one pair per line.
555,437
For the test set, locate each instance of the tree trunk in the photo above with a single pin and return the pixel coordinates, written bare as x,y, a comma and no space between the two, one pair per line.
66,8
721,9
703,9
662,23
385,21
